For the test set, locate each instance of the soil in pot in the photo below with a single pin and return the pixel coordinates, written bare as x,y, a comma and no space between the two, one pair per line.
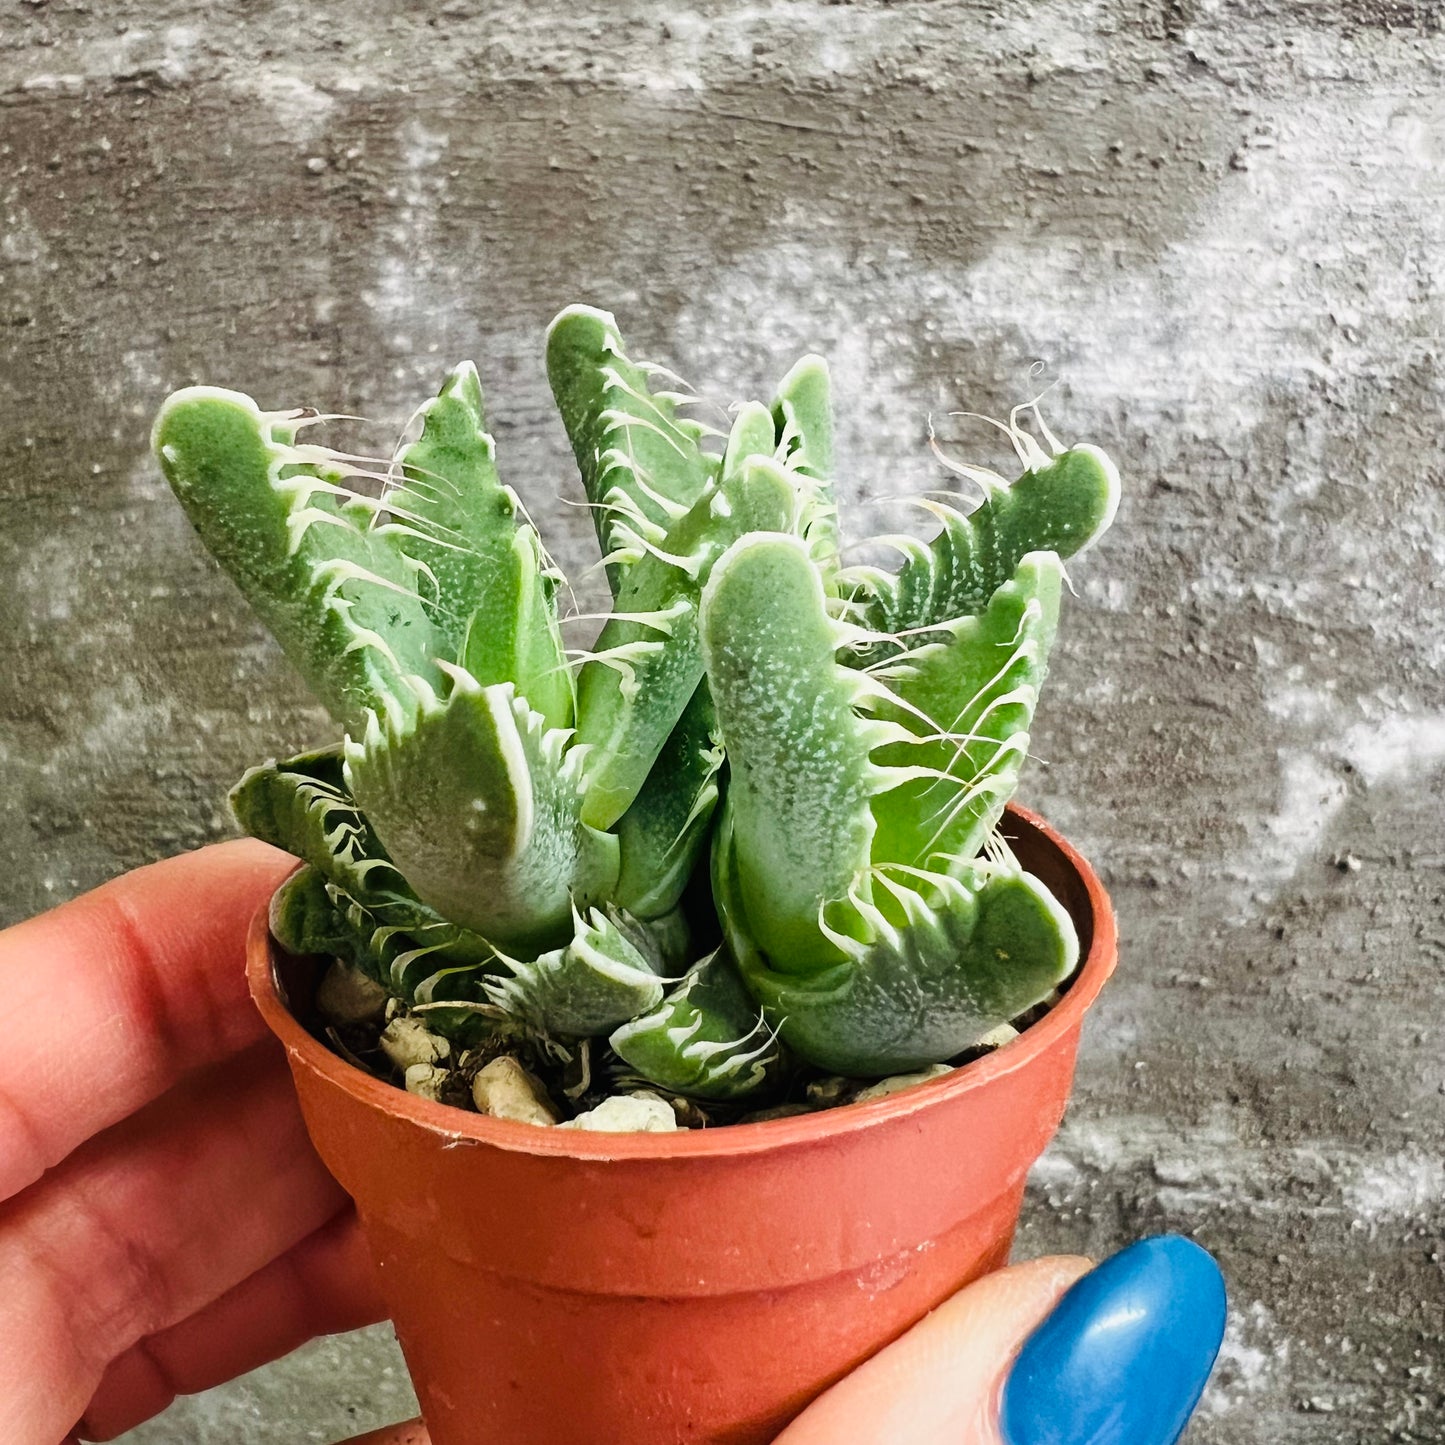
576,1083
511,1074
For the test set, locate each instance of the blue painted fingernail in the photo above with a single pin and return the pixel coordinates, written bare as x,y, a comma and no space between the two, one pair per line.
1124,1357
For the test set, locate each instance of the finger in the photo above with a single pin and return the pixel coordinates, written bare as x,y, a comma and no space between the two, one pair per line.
939,1383
325,1285
1126,1353
143,1226
122,992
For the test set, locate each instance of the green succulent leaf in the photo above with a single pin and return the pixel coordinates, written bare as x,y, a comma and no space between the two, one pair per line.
966,691
447,509
800,775
707,1039
478,802
303,806
483,573
803,427
662,834
605,975
1061,504
305,920
968,953
640,461
665,828
336,596
803,418
647,662
846,782
310,914
752,435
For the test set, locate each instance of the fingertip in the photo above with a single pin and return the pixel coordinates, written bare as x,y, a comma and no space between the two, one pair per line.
1124,1356
1052,1272
191,901
939,1383
236,857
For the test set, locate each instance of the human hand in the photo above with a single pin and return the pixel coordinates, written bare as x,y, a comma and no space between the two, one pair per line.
1053,1352
164,1223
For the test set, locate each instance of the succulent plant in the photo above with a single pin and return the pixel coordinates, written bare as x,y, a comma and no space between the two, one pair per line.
753,827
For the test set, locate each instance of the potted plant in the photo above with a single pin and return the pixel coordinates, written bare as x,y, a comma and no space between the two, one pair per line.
585,942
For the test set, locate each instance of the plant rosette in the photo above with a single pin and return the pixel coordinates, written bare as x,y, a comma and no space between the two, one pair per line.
550,1286
588,944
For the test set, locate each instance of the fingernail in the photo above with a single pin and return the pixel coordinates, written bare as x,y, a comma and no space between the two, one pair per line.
1124,1357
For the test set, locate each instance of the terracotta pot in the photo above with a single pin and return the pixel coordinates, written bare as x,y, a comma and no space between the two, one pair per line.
409,1432
558,1287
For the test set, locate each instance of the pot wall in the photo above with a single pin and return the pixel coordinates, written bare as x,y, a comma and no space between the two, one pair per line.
554,1287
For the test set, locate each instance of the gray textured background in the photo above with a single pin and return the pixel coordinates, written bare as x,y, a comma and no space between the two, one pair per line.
1220,225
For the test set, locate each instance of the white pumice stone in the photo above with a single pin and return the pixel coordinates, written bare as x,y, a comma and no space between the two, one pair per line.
997,1038
639,1113
899,1082
824,1093
505,1090
407,1041
346,996
426,1080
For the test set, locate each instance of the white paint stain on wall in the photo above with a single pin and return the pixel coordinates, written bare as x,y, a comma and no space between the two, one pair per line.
302,108
1255,1353
1216,1167
1209,344
415,288
1395,745
1406,1186
1310,793
1190,344
1400,747
21,242
865,313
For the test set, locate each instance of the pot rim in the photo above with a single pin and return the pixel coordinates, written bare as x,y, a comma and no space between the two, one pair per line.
459,1126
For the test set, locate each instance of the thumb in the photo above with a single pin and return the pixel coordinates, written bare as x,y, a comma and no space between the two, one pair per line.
1047,1353
938,1384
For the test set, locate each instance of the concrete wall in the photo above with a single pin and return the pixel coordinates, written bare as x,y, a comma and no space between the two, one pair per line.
1220,225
